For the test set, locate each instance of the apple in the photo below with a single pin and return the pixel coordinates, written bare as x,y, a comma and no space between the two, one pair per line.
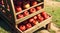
32,10
20,16
38,15
26,13
35,17
40,18
38,8
34,22
34,3
31,20
26,5
45,15
22,27
18,8
28,25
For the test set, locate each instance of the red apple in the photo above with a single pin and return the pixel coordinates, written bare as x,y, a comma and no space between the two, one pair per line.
45,15
38,15
35,17
18,8
38,8
22,27
34,22
26,13
20,16
28,25
32,10
31,20
40,18
34,3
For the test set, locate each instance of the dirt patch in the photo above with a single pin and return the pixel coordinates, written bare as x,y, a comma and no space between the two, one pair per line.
44,31
52,3
54,27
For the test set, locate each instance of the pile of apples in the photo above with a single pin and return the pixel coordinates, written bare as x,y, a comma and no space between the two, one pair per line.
21,5
33,21
27,12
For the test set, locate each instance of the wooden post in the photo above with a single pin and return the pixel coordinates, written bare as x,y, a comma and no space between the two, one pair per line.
48,26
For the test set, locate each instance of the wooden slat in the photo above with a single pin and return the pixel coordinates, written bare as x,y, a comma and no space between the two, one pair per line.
48,26
18,29
27,17
29,8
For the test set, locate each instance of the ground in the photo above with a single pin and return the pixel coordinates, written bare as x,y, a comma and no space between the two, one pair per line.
52,8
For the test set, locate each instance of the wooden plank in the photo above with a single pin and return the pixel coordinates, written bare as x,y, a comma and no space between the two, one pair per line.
48,26
18,28
39,25
27,17
29,8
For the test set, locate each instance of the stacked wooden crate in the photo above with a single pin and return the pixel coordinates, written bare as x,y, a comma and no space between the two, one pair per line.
9,13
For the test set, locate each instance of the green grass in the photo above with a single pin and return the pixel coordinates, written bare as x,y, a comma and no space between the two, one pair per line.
51,31
55,12
57,0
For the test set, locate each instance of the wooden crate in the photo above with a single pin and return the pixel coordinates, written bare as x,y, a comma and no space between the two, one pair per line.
14,14
14,21
37,26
